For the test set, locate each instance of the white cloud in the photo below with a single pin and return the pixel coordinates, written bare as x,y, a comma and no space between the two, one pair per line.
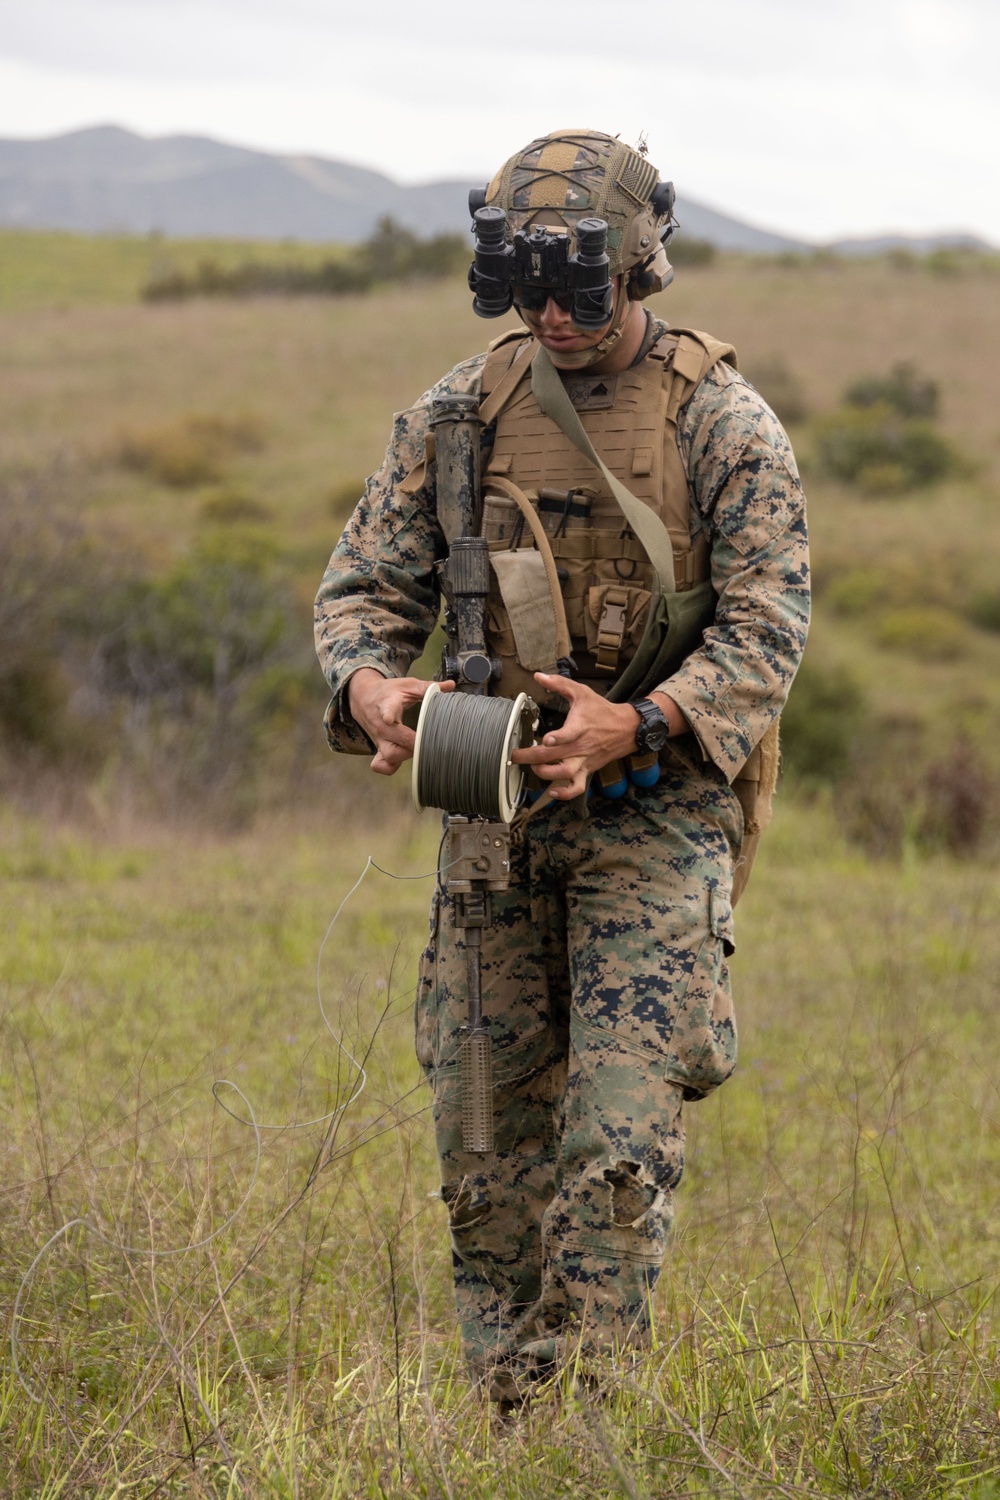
849,117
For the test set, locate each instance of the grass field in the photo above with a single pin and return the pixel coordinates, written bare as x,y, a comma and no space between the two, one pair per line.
826,1322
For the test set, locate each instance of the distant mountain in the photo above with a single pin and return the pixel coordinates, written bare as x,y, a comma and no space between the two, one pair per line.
915,243
105,179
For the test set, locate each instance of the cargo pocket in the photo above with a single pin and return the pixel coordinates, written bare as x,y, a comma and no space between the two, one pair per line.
703,1042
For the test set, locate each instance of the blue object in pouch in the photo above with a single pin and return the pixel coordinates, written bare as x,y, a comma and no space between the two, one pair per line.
644,770
613,781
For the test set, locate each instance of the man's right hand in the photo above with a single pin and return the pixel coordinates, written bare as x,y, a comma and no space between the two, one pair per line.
377,704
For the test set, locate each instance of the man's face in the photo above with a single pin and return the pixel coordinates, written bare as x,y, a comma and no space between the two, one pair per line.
553,327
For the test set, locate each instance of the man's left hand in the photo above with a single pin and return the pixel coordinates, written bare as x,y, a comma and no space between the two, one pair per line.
595,732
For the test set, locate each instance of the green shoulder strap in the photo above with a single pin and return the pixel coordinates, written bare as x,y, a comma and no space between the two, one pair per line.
550,393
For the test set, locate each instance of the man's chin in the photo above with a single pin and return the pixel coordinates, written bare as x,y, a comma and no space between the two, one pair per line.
566,351
575,359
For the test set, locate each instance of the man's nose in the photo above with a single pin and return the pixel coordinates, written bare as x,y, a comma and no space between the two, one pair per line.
552,313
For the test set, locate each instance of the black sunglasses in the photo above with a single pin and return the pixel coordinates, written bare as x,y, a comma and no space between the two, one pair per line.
534,298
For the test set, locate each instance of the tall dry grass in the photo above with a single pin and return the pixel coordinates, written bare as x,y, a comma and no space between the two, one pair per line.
825,1322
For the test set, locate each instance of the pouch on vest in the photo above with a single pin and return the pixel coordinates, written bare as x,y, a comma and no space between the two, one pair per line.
675,627
615,618
520,575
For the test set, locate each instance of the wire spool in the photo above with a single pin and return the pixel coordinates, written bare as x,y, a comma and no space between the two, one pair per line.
462,756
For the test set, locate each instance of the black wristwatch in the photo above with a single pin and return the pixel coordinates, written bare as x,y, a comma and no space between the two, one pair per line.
652,731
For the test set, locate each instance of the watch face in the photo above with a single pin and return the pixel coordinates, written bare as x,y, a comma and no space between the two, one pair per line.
654,736
653,731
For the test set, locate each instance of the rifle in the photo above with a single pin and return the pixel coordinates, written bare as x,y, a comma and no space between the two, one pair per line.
477,847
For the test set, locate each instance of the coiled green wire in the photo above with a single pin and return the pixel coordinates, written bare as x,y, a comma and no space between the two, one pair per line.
462,758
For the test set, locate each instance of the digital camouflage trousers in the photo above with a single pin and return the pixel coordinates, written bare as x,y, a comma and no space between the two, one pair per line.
606,991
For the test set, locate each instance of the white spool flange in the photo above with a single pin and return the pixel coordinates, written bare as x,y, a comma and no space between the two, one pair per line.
509,777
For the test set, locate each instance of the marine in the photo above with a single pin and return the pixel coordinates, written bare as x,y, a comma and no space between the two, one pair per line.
649,584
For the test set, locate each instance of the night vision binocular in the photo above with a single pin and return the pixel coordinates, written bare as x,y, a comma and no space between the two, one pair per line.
536,264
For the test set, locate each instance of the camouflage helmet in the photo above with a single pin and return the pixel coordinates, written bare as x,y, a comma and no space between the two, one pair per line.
570,175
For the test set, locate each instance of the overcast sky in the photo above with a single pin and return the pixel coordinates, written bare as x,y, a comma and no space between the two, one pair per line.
817,119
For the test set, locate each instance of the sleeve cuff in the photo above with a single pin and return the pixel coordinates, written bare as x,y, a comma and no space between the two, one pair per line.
343,733
719,739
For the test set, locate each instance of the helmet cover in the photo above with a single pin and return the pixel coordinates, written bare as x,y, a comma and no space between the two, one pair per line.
570,175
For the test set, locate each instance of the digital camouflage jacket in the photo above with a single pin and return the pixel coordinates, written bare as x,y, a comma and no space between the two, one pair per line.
379,600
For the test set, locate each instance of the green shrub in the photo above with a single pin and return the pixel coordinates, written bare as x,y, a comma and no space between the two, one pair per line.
878,799
394,253
683,251
882,452
928,632
907,393
195,664
856,592
190,450
220,613
781,389
391,253
960,800
947,261
984,609
53,586
254,278
825,712
227,506
895,797
33,704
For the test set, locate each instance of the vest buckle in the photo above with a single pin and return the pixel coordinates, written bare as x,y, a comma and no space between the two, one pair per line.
611,629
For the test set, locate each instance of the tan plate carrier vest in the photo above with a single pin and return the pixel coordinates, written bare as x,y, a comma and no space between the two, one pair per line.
567,574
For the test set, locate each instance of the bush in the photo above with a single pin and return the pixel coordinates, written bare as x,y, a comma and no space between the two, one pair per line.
894,797
251,278
984,609
883,438
43,560
682,251
782,390
903,390
882,452
218,614
391,253
960,800
33,704
905,582
928,632
822,718
394,253
201,684
227,506
190,450
194,665
856,592
878,798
